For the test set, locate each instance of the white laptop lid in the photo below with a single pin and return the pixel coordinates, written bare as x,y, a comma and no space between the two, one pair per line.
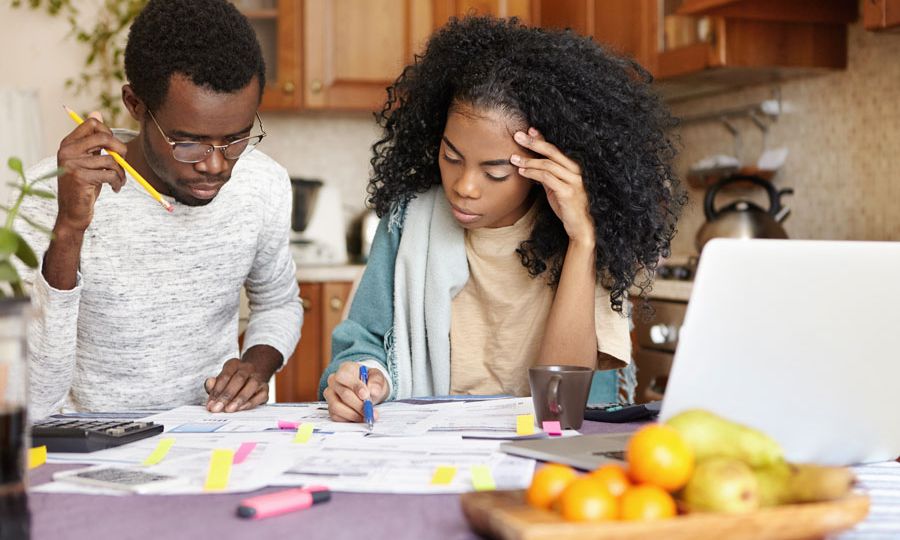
799,339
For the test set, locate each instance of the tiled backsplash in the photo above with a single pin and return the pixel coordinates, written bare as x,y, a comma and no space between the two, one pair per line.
332,147
843,134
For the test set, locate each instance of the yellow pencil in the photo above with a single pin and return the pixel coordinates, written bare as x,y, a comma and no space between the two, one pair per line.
121,161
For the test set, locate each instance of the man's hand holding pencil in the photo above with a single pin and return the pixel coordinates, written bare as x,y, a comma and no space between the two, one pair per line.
86,171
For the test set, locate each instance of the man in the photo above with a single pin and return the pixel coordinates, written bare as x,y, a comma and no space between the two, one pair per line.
138,307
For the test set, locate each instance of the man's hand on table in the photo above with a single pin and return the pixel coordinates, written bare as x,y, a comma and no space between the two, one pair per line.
243,383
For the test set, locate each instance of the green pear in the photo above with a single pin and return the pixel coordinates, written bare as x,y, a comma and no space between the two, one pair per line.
774,484
710,436
722,485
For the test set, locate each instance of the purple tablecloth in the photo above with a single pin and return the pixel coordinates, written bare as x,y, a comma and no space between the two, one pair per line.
347,515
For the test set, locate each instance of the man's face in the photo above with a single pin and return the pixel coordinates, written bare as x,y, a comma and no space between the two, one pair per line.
191,113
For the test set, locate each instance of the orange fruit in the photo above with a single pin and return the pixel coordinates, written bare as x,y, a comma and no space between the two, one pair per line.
587,499
646,503
613,477
548,482
658,455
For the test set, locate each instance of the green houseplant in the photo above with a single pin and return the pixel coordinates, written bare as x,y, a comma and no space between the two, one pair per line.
15,520
11,243
101,27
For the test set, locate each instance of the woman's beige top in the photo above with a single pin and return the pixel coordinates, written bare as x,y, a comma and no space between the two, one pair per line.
498,319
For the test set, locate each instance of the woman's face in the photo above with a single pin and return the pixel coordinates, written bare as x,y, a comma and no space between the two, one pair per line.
483,187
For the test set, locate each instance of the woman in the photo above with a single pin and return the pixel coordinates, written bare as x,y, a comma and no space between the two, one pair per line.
524,181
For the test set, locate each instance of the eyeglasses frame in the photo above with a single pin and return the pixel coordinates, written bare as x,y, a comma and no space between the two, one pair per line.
221,147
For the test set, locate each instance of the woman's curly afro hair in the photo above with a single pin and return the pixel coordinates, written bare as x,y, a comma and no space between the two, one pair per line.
595,106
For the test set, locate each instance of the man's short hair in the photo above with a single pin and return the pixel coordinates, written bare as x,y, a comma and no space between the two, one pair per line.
208,41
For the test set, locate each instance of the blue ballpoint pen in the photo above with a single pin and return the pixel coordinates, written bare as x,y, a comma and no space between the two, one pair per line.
368,411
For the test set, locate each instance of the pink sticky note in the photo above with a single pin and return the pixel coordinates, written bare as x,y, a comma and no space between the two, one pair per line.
287,424
242,452
552,428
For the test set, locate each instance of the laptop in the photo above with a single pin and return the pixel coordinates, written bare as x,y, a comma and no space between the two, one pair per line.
796,338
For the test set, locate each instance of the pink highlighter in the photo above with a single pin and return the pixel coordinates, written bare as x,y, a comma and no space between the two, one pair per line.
282,502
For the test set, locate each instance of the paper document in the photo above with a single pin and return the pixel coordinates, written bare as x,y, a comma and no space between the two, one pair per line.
398,419
348,462
425,447
189,457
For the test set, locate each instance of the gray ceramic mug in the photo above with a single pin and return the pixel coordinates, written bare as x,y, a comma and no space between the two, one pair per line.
560,393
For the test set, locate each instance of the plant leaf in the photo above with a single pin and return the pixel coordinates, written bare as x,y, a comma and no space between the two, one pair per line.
8,273
59,171
25,253
35,224
15,164
9,242
43,193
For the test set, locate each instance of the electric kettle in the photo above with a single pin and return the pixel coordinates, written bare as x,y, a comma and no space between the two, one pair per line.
743,219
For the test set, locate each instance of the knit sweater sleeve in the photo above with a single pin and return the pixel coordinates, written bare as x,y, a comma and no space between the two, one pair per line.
365,334
276,313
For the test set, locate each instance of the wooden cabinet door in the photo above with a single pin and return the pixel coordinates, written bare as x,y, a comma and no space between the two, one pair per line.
299,379
528,11
279,31
354,49
881,14
626,26
323,307
334,298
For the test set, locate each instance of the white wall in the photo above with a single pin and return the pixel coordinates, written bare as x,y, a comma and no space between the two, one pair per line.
38,54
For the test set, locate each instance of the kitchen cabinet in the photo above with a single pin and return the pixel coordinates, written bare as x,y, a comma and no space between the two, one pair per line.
527,11
881,14
278,28
323,306
353,50
342,54
699,47
627,26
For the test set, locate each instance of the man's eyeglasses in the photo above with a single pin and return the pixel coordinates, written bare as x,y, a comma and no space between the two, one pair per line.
195,152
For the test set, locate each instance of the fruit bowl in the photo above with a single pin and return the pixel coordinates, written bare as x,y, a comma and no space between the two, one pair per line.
505,515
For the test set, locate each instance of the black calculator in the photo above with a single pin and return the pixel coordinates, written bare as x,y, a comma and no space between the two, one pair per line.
80,435
619,412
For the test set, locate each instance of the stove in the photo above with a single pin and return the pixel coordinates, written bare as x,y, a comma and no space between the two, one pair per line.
656,338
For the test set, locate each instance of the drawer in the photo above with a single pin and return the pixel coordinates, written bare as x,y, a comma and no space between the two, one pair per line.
652,374
661,331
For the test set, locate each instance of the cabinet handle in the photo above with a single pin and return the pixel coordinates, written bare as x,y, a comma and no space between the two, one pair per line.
336,303
306,302
289,87
315,86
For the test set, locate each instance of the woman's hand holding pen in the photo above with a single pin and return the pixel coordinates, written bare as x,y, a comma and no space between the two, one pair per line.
86,172
561,178
346,393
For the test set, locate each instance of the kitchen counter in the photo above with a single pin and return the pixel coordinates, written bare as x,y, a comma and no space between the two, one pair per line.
342,272
671,289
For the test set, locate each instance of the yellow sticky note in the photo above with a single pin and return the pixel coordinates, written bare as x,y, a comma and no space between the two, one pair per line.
443,475
37,457
525,424
219,469
482,479
304,432
162,448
